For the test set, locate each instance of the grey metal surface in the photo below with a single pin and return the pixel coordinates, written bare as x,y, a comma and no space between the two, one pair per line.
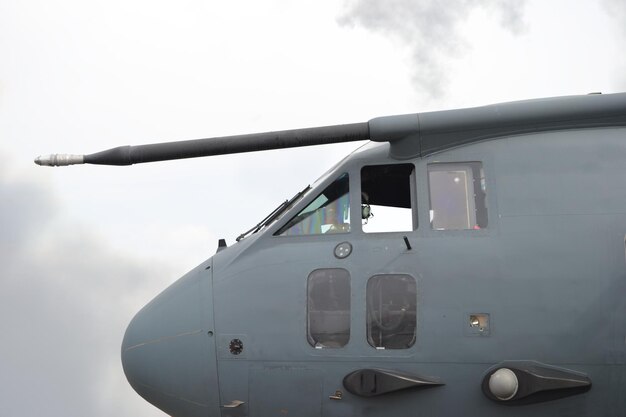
441,130
127,155
168,352
547,277
548,270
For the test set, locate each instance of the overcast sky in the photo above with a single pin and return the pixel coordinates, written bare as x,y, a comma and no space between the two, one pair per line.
83,248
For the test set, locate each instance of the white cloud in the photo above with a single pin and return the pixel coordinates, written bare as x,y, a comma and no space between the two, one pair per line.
65,300
430,31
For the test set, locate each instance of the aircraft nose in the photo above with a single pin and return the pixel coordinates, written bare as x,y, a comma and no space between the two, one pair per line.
165,352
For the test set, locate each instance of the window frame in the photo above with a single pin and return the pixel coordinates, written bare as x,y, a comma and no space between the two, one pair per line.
413,197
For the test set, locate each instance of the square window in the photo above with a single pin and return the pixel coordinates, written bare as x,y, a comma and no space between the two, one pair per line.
328,308
457,196
391,311
386,198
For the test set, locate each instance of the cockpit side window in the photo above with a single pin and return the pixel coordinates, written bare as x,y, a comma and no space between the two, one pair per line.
457,196
387,198
329,212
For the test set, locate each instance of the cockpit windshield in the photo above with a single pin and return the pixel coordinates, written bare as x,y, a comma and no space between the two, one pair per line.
328,205
329,212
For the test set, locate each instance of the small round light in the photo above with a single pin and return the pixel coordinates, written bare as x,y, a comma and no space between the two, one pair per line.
343,250
503,384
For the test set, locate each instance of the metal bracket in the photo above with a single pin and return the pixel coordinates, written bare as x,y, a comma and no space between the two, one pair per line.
338,395
233,404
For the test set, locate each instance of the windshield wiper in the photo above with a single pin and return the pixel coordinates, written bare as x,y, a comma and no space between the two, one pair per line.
274,214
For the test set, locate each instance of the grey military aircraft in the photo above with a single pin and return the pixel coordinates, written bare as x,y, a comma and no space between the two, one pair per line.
462,263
